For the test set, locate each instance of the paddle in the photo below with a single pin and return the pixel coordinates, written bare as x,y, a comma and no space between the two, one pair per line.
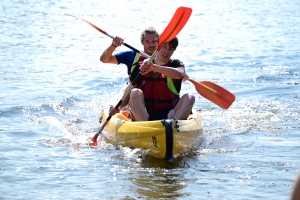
215,93
105,33
211,91
172,24
177,22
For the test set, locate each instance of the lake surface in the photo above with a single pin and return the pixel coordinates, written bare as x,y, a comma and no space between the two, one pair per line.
53,88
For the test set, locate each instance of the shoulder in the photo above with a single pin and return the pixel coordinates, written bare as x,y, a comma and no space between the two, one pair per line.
125,57
176,63
125,53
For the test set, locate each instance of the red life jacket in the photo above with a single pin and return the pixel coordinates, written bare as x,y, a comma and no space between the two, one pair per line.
160,92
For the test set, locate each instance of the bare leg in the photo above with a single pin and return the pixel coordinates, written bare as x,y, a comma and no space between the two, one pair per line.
184,107
137,105
296,189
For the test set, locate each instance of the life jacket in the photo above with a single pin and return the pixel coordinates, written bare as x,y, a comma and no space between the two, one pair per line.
160,92
135,68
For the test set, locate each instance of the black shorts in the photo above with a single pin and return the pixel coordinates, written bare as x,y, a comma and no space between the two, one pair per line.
158,115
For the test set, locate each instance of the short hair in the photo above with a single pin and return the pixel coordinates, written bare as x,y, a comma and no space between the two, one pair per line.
149,30
173,43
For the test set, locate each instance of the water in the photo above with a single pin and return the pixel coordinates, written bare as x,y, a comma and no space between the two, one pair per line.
53,88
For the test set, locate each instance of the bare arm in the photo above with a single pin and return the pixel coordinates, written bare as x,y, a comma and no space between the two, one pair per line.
174,73
107,56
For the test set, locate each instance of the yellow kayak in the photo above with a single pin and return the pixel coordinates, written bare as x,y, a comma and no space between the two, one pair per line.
164,139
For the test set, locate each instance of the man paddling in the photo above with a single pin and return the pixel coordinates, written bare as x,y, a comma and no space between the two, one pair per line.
157,96
149,40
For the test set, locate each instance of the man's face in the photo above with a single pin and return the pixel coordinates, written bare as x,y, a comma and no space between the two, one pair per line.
150,43
165,53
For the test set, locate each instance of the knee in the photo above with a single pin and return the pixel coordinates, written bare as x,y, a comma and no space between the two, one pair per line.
136,93
189,98
192,98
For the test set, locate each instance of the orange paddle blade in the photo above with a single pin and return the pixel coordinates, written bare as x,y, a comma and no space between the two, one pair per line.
215,93
178,21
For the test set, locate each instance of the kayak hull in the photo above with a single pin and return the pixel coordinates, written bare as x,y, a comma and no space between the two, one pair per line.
164,139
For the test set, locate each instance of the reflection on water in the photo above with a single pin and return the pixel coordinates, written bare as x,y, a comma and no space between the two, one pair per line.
157,178
156,163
